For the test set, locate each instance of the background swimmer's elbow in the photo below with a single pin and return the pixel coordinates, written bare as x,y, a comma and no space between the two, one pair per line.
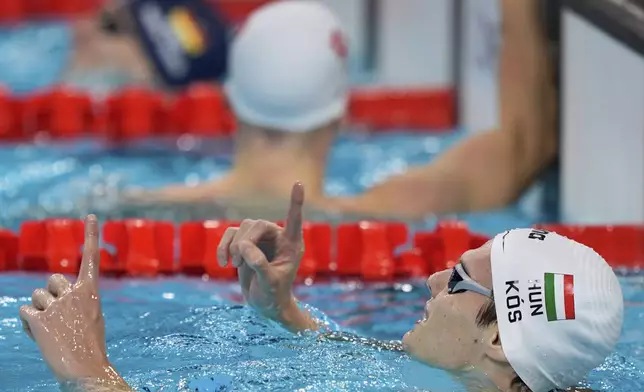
491,169
488,170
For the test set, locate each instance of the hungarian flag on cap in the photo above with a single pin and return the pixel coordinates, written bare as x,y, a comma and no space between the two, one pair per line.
560,296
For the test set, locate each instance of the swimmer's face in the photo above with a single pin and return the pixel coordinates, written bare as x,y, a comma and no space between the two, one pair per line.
107,54
447,336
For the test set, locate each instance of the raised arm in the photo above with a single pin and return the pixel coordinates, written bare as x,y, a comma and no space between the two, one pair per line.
67,323
267,258
489,169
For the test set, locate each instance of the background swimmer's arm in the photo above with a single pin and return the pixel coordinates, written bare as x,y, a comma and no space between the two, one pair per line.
489,169
180,194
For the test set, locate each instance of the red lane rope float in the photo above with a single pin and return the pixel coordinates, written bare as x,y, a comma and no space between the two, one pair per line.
8,251
198,248
366,250
133,113
12,11
237,11
11,116
62,113
202,110
621,245
418,109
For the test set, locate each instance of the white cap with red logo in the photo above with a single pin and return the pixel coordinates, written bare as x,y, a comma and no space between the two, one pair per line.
559,307
287,67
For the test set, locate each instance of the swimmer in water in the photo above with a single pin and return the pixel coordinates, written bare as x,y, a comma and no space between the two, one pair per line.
529,311
288,88
140,43
487,170
490,169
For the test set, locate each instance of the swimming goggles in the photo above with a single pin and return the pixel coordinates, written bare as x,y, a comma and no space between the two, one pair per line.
116,20
460,282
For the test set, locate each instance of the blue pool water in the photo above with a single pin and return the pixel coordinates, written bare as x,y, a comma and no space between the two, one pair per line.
178,334
183,334
74,179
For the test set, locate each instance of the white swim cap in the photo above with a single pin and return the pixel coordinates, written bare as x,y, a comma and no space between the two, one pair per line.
559,307
287,67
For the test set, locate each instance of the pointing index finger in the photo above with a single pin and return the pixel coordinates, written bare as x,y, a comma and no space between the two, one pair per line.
90,262
294,217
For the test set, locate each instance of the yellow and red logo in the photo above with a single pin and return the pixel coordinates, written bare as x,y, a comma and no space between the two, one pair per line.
187,30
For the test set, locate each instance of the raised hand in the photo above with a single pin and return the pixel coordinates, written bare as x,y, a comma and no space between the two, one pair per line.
66,321
267,258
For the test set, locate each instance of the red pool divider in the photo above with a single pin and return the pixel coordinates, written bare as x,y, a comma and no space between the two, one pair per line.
134,113
237,11
72,8
11,117
455,238
443,247
367,250
198,243
411,263
8,251
53,245
383,109
12,11
67,9
141,246
62,113
318,243
621,245
317,250
202,110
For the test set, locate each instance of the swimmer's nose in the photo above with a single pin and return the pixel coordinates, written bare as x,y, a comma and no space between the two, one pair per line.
437,282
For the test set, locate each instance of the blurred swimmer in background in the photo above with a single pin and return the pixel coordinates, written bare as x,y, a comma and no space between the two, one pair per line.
288,87
491,169
157,43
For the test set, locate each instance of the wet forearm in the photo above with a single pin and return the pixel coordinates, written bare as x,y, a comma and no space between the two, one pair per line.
105,380
490,169
469,176
295,319
527,91
96,385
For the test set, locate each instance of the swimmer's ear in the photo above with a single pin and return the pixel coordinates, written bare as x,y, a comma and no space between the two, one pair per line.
339,125
494,349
